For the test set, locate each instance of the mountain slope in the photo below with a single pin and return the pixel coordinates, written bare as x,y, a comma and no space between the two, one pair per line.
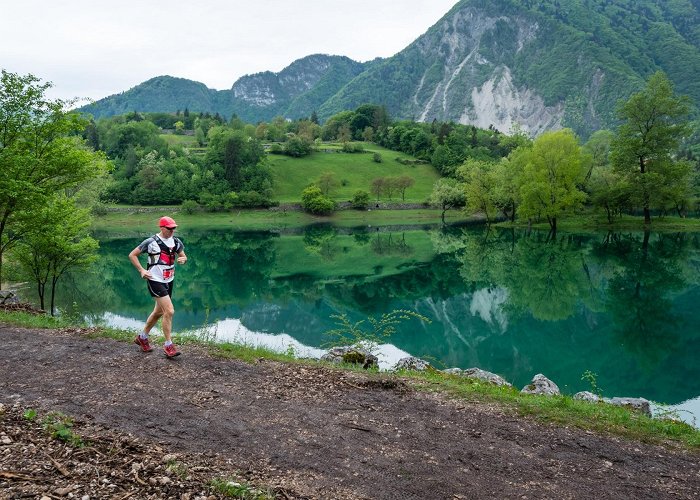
543,64
162,93
296,91
538,64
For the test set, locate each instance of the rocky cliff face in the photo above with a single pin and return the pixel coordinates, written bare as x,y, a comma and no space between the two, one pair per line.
312,80
469,87
267,89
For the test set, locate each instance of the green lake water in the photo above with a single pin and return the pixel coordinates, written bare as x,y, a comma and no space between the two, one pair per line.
621,305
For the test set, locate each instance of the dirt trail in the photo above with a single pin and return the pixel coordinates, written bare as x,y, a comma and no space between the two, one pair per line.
326,433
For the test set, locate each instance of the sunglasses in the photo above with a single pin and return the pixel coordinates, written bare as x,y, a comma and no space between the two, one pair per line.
170,228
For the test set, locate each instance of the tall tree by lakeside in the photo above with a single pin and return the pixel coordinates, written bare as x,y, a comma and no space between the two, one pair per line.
447,193
41,154
554,167
46,255
643,151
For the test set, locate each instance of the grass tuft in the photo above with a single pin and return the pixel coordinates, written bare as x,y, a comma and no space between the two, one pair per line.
235,489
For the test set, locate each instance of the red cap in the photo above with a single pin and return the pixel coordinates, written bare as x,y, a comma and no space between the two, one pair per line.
167,222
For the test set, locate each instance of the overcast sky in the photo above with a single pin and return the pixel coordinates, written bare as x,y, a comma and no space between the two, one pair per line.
92,49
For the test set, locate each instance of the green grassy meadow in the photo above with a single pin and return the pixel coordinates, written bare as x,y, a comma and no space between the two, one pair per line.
353,171
179,140
141,220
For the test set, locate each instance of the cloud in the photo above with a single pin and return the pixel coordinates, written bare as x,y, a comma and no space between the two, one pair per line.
94,49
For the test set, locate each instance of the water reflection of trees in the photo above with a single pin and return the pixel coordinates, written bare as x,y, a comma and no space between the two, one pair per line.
633,276
320,240
425,281
552,278
544,276
223,267
647,272
390,244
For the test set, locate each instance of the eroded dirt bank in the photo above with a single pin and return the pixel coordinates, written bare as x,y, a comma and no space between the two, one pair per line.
320,433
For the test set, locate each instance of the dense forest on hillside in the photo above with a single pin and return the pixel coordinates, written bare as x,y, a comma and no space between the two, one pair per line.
224,163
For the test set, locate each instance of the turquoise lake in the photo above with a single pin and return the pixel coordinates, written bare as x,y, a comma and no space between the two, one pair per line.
622,305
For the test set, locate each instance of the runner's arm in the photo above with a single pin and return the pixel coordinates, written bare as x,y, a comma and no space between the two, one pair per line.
134,258
181,257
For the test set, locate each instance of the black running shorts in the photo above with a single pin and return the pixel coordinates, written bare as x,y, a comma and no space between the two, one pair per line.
158,289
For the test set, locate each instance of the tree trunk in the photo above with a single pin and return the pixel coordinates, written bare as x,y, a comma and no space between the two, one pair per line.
53,294
645,243
647,215
40,288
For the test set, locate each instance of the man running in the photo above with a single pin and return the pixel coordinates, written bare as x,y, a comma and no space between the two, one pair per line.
163,251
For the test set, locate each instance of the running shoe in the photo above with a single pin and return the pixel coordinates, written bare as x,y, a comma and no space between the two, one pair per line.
171,351
143,343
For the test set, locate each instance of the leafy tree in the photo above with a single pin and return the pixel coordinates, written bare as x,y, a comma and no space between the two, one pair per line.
308,131
332,126
314,201
360,200
297,147
344,133
479,187
92,136
447,193
402,183
554,168
327,183
444,160
233,151
608,191
120,138
378,187
654,121
678,190
41,154
598,147
57,242
506,190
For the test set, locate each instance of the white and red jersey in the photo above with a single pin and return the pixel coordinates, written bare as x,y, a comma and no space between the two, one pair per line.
162,255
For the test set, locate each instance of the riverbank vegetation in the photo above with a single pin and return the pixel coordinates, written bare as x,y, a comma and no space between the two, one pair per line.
560,410
648,165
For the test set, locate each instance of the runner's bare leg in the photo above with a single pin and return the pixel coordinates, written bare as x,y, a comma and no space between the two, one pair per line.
166,311
153,318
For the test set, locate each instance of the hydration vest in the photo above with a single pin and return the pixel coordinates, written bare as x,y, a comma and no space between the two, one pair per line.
166,256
